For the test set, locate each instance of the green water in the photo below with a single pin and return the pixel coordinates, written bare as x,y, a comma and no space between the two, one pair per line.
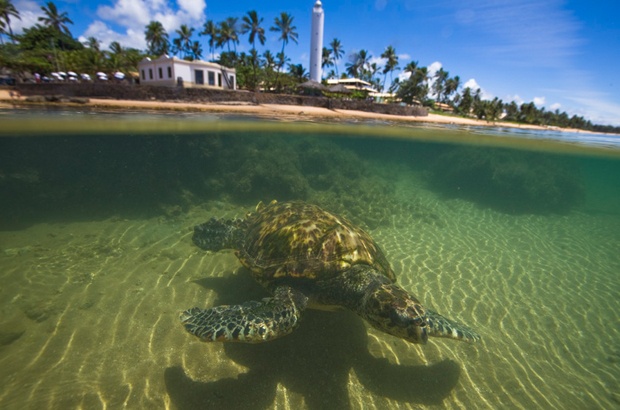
513,233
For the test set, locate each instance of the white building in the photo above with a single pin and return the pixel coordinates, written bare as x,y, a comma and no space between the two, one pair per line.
171,72
316,42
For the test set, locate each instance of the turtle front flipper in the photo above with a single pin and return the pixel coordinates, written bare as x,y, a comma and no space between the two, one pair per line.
440,326
250,322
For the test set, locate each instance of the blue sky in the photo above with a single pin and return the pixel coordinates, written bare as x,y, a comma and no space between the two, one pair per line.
559,54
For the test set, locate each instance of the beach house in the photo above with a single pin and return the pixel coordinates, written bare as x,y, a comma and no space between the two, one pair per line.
171,72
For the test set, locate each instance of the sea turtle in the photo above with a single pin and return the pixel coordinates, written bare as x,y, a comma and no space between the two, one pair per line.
309,258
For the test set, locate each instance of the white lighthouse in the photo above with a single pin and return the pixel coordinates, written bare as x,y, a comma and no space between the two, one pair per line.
316,42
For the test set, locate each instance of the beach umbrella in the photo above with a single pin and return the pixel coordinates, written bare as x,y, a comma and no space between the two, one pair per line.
100,74
62,74
85,77
72,73
118,75
313,85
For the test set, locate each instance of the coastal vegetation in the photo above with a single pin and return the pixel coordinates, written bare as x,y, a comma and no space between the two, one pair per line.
49,46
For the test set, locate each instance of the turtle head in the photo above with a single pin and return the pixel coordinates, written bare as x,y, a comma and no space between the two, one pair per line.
217,234
391,309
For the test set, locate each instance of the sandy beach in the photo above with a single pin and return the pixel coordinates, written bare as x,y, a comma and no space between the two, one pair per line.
285,112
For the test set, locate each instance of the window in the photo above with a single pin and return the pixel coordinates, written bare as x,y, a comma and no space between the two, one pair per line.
143,75
211,78
200,76
219,79
150,73
161,73
169,72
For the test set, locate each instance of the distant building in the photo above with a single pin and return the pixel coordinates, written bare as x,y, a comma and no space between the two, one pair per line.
316,42
171,72
353,84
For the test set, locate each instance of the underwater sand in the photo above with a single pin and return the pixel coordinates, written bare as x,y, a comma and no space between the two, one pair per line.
94,308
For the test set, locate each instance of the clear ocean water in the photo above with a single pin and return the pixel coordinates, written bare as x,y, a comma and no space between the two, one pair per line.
515,233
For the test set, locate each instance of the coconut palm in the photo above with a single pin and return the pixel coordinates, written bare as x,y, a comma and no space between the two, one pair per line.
284,26
183,43
156,38
411,67
8,10
327,58
391,62
56,20
195,51
251,24
270,61
357,67
228,32
439,86
210,29
298,72
337,52
452,85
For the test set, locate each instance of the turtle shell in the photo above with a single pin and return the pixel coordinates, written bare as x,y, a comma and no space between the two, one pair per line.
301,240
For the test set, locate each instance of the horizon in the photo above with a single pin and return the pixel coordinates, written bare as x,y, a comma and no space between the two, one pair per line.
559,55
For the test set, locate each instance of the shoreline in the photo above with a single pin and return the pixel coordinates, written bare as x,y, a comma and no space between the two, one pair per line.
284,112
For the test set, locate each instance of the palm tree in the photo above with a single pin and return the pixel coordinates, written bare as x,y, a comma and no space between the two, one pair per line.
7,9
452,85
210,29
337,52
298,72
228,33
357,67
270,61
93,44
156,38
440,83
183,43
115,56
195,51
284,26
411,67
327,58
251,24
391,63
53,19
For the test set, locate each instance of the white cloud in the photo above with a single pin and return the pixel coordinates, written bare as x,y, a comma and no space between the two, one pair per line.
128,13
29,11
597,107
473,85
555,106
404,57
516,98
103,33
192,7
433,68
539,101
125,20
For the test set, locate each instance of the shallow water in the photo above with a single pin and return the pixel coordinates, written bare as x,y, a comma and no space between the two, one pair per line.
96,263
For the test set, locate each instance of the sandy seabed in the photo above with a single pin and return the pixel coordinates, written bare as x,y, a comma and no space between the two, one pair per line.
90,318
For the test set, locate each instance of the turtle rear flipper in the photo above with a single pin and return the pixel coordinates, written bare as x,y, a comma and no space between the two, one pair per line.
217,234
440,326
250,322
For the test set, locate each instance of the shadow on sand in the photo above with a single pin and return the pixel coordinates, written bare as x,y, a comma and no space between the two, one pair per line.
314,362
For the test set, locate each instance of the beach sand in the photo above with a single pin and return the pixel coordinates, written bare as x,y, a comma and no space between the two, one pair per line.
284,112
